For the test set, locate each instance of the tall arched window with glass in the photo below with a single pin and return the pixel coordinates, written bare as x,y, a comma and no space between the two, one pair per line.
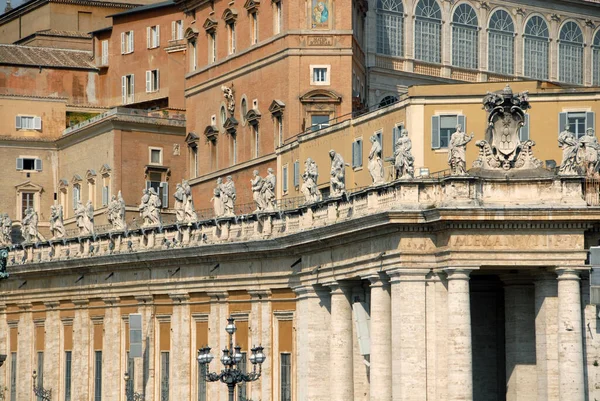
536,44
596,59
428,31
465,34
501,43
390,27
570,54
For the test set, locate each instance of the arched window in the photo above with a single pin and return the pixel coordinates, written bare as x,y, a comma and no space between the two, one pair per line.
465,35
596,59
386,101
501,44
570,53
535,41
428,28
390,27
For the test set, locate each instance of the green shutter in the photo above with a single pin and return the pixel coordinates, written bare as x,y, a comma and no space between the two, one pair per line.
562,121
435,132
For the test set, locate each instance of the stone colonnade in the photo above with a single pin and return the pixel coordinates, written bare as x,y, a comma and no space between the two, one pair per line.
408,363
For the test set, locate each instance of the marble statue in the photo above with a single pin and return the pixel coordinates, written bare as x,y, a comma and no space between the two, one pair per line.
5,229
228,197
337,180
179,206
403,158
188,205
309,185
456,151
502,148
229,98
256,184
217,198
150,208
30,225
375,162
589,152
570,147
116,212
268,190
57,227
84,215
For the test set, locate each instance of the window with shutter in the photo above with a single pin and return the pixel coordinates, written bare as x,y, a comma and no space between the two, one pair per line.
296,173
130,42
104,196
38,165
164,186
19,164
148,81
562,122
284,181
37,123
173,30
462,121
524,130
435,132
18,122
124,89
123,43
148,37
357,153
590,120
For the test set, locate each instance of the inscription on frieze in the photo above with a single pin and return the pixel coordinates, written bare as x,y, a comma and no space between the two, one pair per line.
518,241
320,40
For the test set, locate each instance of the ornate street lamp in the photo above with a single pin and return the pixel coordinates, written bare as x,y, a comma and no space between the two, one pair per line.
40,391
131,395
231,358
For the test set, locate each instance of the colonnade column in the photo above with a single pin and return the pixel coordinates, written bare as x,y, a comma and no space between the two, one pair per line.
181,345
82,341
260,329
381,339
111,365
217,339
460,352
409,345
144,367
52,347
570,341
546,341
340,345
25,353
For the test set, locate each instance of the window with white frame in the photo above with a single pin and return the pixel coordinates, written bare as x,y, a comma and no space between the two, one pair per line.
285,375
279,125
578,122
164,375
194,55
501,43
152,81
570,52
155,156
536,43
278,15
127,42
319,121
177,30
596,59
255,129
357,153
105,189
319,75
284,180
28,123
254,19
442,128
234,146
232,39
390,27
127,89
153,36
428,28
212,43
104,47
296,173
465,37
395,136
76,195
27,202
29,164
155,181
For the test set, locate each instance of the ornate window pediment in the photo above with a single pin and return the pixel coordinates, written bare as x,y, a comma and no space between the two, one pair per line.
28,186
230,125
276,108
105,170
210,25
192,140
252,5
90,175
320,96
230,15
253,116
211,132
63,184
191,33
76,179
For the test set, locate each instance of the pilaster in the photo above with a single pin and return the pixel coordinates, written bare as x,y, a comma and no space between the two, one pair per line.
181,345
145,367
25,352
52,347
546,336
111,351
260,329
217,340
381,342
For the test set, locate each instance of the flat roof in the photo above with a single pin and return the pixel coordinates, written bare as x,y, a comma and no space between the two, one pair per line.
141,9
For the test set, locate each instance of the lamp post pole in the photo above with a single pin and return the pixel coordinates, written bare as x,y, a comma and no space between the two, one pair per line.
131,395
40,391
232,375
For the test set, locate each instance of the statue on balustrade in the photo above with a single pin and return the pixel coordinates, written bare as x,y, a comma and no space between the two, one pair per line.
116,212
589,153
403,158
337,180
375,162
570,148
309,187
456,151
256,184
228,196
84,215
188,204
217,198
268,190
57,227
150,208
179,206
30,225
5,230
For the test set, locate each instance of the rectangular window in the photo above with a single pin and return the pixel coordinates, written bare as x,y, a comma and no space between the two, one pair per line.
319,121
320,75
279,120
442,128
98,376
28,123
26,202
231,29
127,42
202,371
152,81
127,88
177,30
278,17
160,187
67,375
284,181
13,376
256,140
164,376
153,36
357,153
155,156
285,373
212,57
40,372
396,135
242,388
578,122
194,56
76,195
104,60
254,28
296,173
29,164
